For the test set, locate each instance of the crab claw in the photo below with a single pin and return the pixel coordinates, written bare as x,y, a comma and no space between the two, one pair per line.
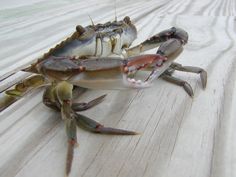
134,64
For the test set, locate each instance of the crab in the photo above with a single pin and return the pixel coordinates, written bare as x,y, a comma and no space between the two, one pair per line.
100,57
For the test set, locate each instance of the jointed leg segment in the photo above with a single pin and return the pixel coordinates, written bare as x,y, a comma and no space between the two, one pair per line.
187,87
167,75
192,69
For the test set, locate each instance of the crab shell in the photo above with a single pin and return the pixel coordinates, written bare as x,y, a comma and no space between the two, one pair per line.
97,40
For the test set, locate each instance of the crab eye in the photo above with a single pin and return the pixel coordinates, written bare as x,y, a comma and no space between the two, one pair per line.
127,20
80,29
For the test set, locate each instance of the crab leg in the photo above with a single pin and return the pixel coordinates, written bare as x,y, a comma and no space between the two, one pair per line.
68,110
90,104
51,101
20,89
93,126
59,97
192,69
26,85
167,75
64,95
158,39
187,87
72,142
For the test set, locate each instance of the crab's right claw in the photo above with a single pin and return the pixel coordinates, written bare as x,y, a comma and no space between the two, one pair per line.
93,126
90,104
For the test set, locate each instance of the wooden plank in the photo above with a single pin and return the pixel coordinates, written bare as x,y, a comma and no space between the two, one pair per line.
180,136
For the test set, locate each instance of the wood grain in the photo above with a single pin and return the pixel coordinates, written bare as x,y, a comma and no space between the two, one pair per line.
180,136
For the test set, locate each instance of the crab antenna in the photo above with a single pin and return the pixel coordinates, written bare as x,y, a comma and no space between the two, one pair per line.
115,12
91,20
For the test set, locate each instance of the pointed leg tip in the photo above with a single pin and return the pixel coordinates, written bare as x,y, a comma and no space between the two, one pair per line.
104,95
97,100
137,133
188,89
114,131
100,97
127,132
76,145
203,76
67,174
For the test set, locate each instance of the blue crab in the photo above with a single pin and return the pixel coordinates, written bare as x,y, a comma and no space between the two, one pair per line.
100,57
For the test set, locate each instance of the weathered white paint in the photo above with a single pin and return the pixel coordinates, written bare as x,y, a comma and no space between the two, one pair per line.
180,136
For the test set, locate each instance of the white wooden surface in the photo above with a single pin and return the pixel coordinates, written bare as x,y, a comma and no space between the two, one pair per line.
180,136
